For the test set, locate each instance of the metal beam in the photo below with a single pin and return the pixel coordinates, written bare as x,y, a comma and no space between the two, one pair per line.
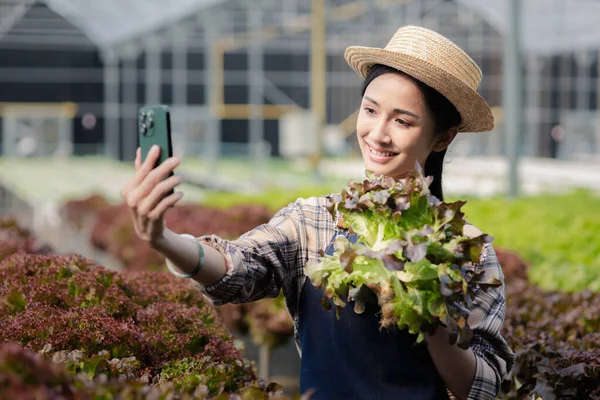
255,74
194,77
129,107
213,94
66,31
299,24
10,16
275,95
302,23
318,69
348,11
512,99
243,111
44,40
534,66
153,82
336,43
111,104
597,131
179,85
584,61
228,111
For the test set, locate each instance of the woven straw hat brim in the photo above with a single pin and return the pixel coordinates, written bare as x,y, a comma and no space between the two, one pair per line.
475,112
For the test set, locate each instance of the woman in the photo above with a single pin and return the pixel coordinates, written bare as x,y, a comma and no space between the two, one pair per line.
419,92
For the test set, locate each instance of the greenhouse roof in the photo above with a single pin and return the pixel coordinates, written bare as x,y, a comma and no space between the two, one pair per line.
108,22
548,27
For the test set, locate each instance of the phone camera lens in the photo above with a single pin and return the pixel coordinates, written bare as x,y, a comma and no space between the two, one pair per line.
143,129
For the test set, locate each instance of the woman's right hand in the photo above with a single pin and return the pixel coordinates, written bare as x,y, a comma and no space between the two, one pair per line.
145,194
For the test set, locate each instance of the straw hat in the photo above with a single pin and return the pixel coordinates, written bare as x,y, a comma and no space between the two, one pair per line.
437,62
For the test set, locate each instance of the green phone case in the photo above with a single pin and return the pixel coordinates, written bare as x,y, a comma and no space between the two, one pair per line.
154,128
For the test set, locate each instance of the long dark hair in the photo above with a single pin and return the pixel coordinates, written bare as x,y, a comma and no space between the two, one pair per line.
444,114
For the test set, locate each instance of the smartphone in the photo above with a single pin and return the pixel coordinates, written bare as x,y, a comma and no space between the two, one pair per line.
154,128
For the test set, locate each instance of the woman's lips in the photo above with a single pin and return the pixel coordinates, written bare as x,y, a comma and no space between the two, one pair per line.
379,155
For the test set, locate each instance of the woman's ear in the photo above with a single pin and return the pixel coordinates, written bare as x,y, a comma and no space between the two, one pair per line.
443,141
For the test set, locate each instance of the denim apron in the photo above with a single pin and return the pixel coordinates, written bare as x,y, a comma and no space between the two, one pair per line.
351,358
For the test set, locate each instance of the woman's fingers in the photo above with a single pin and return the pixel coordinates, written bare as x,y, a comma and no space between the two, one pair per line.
145,166
151,179
157,193
141,170
138,159
158,173
169,201
145,193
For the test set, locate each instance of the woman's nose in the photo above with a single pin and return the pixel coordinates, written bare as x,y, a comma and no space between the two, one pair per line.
379,133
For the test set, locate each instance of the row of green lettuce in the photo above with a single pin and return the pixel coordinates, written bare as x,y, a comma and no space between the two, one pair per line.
558,234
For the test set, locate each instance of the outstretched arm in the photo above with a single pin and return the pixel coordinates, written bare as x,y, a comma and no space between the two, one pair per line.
184,254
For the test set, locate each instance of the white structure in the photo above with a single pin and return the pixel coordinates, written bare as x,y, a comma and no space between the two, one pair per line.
560,41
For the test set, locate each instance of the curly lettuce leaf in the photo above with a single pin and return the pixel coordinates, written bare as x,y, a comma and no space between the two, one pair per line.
411,254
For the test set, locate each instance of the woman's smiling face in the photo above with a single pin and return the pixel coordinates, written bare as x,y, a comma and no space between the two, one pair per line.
394,126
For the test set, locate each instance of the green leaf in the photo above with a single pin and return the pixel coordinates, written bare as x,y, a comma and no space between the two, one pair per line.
317,270
411,253
422,270
15,302
366,227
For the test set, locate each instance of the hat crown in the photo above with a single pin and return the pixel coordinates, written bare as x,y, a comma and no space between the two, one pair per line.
437,62
436,50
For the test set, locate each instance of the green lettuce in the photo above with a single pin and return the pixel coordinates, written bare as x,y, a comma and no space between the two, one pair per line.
411,257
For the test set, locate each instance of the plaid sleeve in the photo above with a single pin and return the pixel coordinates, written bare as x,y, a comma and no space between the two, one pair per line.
493,355
259,263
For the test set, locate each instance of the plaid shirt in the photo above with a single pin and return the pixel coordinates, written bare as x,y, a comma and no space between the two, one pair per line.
272,257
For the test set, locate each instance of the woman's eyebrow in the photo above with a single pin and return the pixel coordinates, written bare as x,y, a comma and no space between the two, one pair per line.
396,110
